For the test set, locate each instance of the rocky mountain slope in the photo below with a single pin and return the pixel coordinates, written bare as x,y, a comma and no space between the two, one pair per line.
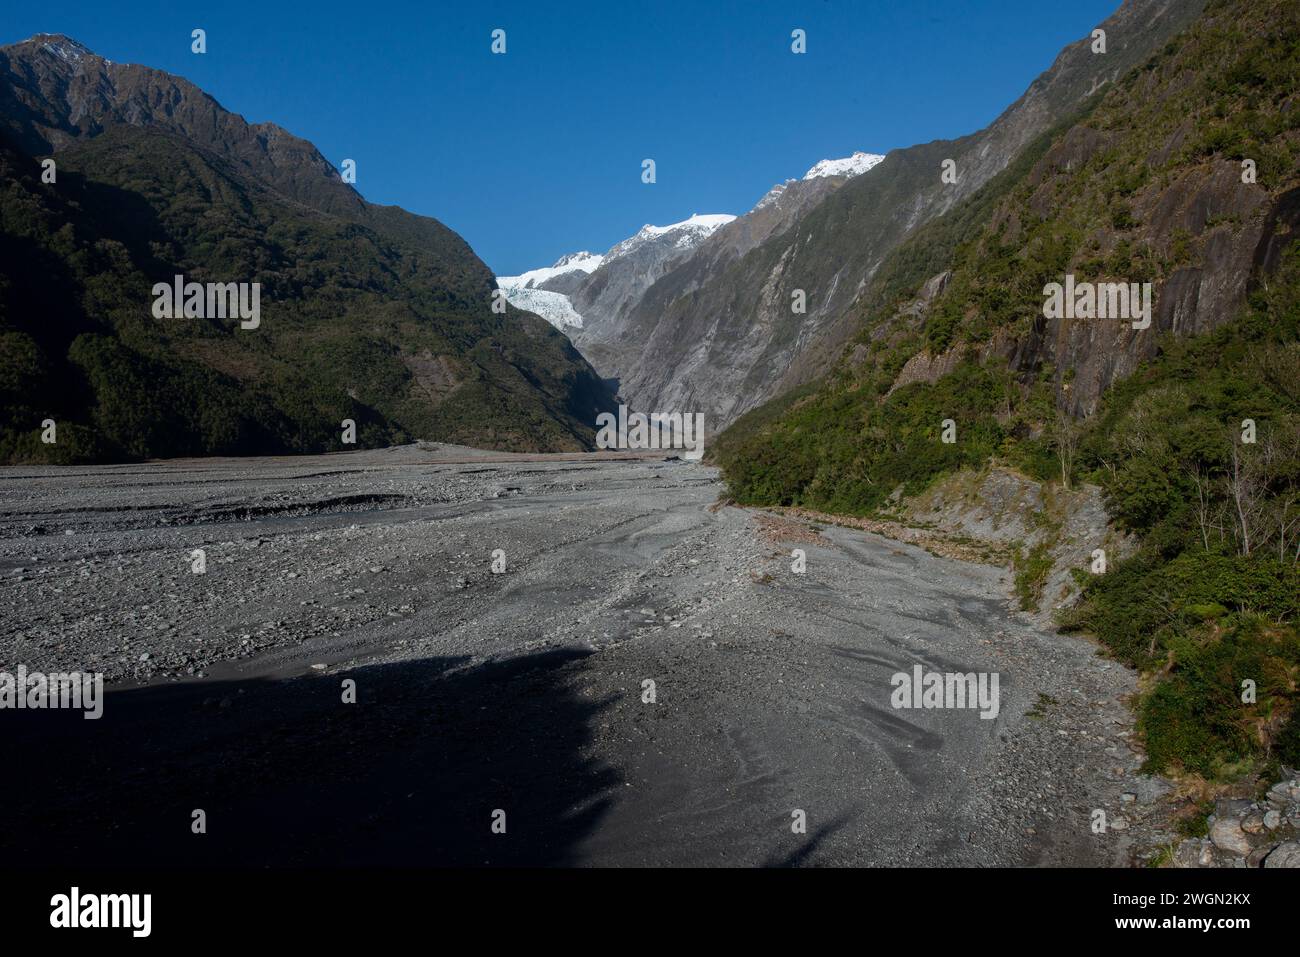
620,345
1150,185
55,92
609,295
628,270
609,289
719,334
368,312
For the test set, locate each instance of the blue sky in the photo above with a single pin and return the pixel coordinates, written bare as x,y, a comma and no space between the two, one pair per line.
538,152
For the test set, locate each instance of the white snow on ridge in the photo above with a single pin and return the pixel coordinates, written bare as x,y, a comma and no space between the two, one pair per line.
853,165
773,194
689,233
556,308
708,223
65,48
587,262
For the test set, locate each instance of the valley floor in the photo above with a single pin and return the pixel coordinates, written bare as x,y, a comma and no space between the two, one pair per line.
523,691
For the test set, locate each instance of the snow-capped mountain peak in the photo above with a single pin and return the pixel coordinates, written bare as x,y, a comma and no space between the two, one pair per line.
587,262
853,165
570,262
706,223
685,235
544,292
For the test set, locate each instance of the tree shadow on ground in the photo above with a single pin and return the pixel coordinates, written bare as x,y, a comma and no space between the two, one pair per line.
807,851
290,775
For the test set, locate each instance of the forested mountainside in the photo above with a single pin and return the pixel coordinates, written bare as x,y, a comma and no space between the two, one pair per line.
368,313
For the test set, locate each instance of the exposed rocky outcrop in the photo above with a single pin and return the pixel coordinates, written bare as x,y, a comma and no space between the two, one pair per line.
1229,228
1244,833
1000,506
632,266
626,343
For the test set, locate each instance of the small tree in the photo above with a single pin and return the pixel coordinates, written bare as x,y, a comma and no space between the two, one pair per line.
1204,502
1065,436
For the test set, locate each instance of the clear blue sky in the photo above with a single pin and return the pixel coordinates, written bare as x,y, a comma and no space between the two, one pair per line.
538,152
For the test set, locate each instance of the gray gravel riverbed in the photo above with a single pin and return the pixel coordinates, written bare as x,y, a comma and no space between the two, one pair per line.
523,691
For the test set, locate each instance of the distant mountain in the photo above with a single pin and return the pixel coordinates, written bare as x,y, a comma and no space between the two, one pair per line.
682,237
368,312
718,332
614,338
602,285
629,269
595,298
545,291
854,165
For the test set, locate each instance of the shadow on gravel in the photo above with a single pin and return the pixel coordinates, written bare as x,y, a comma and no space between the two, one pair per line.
804,854
289,775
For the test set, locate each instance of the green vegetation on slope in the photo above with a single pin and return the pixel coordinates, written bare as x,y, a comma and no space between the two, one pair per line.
385,320
831,445
1210,598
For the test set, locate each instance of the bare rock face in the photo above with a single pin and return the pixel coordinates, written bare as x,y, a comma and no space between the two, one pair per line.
1228,835
1234,228
566,283
922,367
718,333
1285,855
607,296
